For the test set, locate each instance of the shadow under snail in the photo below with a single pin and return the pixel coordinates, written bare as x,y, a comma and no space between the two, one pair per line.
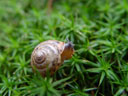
50,55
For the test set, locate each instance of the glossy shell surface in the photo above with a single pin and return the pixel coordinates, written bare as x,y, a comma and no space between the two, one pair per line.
48,55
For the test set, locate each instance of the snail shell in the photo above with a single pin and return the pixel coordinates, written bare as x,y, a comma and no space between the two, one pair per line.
50,55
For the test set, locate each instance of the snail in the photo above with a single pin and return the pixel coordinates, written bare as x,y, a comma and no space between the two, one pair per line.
50,55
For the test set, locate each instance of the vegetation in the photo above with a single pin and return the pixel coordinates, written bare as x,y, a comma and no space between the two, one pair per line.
99,30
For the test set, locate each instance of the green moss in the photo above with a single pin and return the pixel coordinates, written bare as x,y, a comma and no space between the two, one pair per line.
98,29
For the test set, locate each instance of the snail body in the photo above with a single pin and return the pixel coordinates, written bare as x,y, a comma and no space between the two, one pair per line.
50,55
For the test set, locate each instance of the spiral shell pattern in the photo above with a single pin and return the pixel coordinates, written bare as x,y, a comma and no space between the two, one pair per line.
47,55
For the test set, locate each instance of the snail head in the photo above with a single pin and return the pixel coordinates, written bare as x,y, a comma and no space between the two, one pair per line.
68,50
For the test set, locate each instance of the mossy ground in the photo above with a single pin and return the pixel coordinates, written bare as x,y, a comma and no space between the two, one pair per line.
99,30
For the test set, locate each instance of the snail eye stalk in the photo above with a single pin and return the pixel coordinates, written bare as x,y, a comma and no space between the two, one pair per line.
69,45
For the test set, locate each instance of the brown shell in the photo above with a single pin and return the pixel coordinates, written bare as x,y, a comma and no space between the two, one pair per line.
49,55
